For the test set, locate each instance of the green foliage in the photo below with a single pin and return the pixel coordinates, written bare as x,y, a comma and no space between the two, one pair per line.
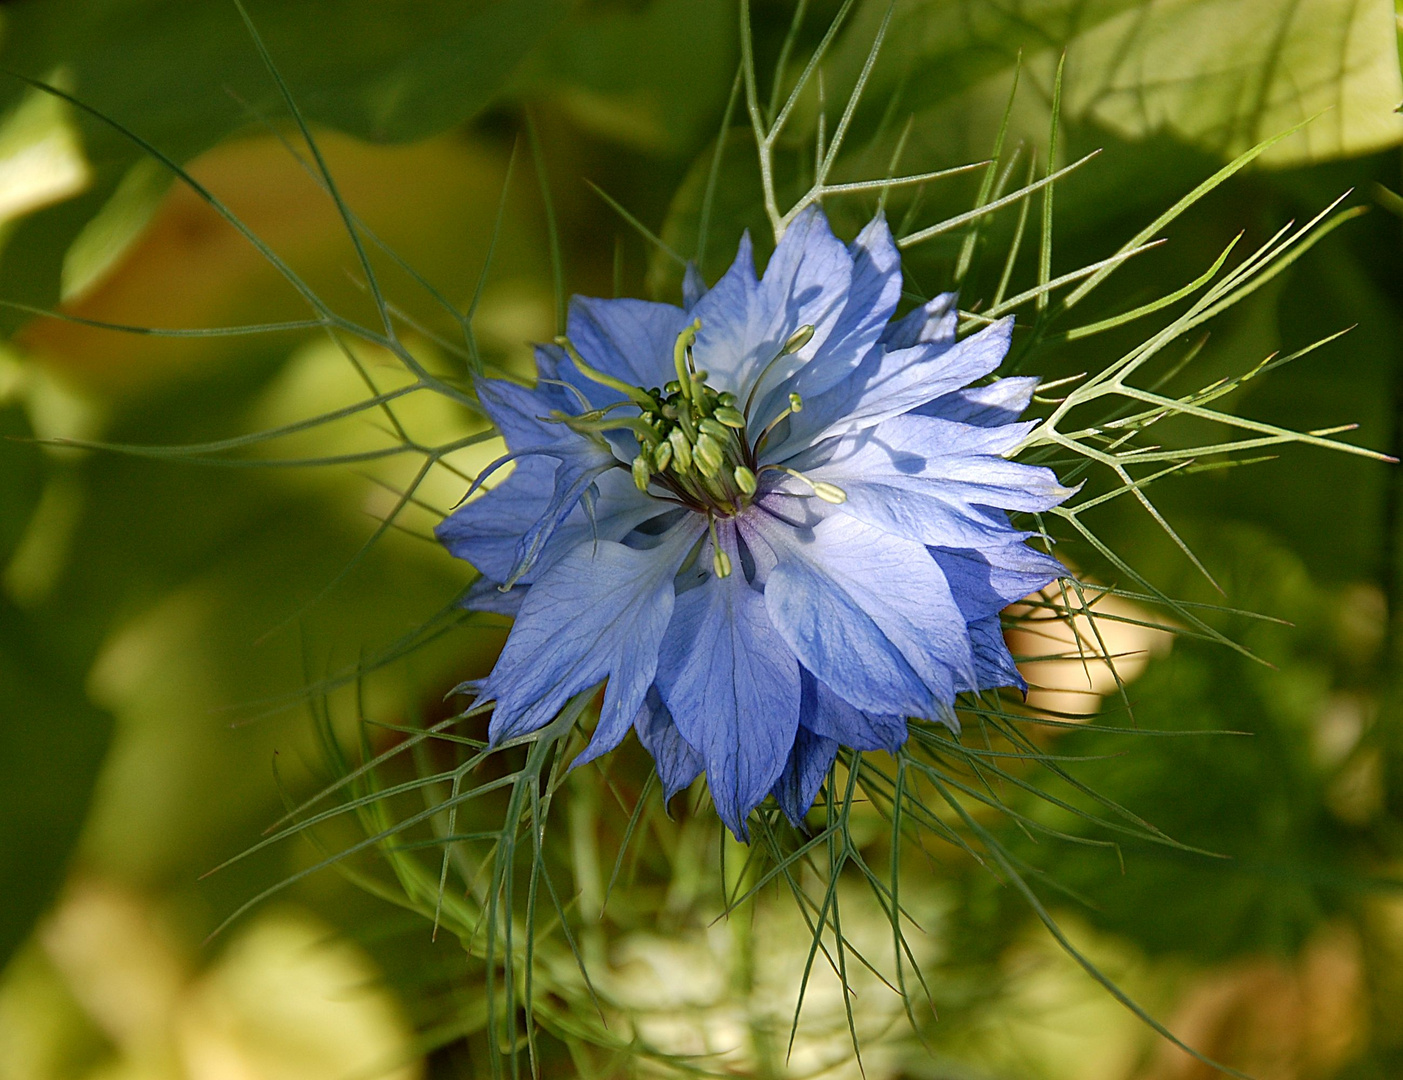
52,746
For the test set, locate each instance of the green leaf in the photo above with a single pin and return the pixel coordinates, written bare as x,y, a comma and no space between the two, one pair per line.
185,76
52,743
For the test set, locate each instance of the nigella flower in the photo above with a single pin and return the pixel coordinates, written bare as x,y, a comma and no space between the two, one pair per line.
772,519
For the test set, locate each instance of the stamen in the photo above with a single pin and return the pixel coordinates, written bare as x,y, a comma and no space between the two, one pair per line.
829,493
720,561
707,454
641,471
640,396
745,480
797,341
681,451
796,404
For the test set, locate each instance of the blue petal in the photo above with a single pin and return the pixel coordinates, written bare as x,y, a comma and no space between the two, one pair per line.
934,321
732,686
993,663
988,580
872,297
868,612
484,595
930,479
824,713
745,324
809,761
677,760
487,530
889,383
629,339
520,414
693,286
1000,402
598,613
575,475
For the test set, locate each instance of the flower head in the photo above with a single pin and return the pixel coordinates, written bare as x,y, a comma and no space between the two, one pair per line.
772,519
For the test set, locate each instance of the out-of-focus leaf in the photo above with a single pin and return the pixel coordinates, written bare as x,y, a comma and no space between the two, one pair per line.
52,742
1220,74
183,76
21,477
654,77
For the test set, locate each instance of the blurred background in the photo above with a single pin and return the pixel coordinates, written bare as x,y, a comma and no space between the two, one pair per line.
161,618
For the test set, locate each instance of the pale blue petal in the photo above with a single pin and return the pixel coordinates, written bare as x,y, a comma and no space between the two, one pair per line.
486,531
1000,402
824,713
804,772
745,324
934,321
516,411
677,760
930,479
889,383
598,613
485,595
732,686
873,296
731,320
987,580
993,663
693,286
870,611
575,475
629,339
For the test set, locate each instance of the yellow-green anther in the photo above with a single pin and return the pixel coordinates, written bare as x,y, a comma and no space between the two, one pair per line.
719,432
796,403
662,455
745,480
708,456
830,493
721,563
798,339
730,417
681,451
727,398
634,393
641,472
685,340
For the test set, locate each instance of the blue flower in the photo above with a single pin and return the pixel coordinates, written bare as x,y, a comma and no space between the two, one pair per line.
772,519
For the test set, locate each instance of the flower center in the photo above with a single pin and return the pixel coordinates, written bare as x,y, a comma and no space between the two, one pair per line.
693,440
